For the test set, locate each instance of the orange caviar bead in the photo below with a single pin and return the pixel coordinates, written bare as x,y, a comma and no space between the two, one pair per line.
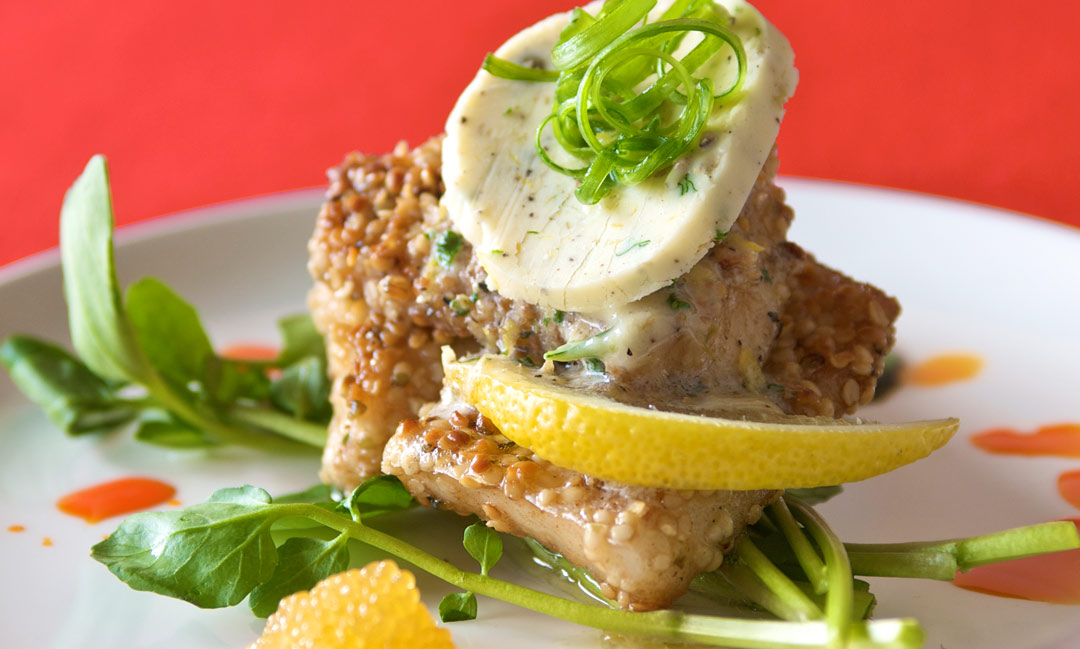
375,606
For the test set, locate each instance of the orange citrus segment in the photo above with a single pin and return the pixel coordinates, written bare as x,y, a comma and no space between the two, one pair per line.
377,606
585,432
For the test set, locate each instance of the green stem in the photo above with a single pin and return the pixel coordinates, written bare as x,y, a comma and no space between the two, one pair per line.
720,587
923,565
968,553
734,633
839,598
808,557
220,432
796,605
282,424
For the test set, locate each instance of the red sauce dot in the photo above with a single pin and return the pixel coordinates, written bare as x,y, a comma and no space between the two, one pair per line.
115,498
16,528
249,352
943,369
1069,487
1053,578
1057,439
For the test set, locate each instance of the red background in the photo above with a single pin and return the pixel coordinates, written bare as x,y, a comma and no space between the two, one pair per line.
198,102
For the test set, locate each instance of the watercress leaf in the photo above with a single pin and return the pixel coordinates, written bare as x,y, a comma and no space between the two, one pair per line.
381,494
483,544
303,390
100,331
160,429
211,554
320,493
324,496
300,339
225,380
168,330
302,563
816,495
245,495
457,607
72,396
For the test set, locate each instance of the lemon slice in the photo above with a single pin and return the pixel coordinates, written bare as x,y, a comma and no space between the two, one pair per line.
580,430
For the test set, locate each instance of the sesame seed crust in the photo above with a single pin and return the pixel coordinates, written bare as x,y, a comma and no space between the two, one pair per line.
766,317
644,545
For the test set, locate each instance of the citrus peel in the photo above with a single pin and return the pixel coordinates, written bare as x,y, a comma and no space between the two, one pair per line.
583,431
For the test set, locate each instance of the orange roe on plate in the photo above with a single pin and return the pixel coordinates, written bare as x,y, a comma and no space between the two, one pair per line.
943,369
1053,578
1057,439
16,528
377,606
115,498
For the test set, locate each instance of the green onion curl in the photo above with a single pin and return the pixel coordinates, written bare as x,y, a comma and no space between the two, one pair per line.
617,86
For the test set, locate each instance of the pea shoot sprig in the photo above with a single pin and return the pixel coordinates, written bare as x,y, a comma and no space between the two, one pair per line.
216,553
144,356
623,134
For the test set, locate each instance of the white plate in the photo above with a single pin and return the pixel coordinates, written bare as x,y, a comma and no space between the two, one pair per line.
970,278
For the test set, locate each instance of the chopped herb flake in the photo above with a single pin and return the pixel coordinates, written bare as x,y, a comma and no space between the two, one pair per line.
765,277
559,316
675,303
720,236
447,245
594,365
639,244
461,305
686,185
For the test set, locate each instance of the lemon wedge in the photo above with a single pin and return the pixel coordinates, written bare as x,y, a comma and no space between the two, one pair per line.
580,430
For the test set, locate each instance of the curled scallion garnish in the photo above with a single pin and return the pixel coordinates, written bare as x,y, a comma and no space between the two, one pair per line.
617,87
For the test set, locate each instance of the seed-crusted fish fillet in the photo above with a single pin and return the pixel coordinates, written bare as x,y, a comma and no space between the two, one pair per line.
643,545
392,285
757,315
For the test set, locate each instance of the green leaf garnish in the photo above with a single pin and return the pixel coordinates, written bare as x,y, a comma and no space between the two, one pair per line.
447,245
72,396
154,347
816,495
596,346
217,552
304,390
100,331
378,495
168,330
160,429
675,303
483,544
457,607
302,563
211,554
621,134
639,244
